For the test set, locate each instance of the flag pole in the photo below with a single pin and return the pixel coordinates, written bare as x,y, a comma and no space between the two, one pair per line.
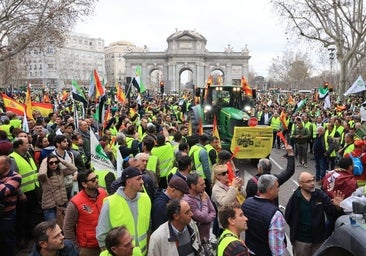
128,94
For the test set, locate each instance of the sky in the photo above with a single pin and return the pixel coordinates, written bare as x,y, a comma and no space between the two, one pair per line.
240,23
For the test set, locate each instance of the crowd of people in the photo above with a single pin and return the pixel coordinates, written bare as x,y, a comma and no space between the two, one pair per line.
178,189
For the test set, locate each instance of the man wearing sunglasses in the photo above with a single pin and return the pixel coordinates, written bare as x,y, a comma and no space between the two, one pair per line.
83,212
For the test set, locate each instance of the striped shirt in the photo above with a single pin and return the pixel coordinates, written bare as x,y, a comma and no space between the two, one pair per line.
276,234
9,188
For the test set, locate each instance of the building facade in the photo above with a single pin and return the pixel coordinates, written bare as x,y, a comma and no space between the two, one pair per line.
55,67
115,62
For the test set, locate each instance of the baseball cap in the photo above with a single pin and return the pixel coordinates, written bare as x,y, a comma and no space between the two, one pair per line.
130,172
179,184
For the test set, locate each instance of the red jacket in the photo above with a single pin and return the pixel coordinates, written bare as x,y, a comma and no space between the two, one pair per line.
89,210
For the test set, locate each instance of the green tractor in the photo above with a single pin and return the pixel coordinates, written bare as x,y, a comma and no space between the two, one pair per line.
234,111
230,106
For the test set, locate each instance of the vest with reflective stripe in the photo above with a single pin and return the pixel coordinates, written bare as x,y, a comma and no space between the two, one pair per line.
333,153
165,154
119,217
6,128
27,170
129,141
171,173
349,149
195,153
16,123
208,148
225,239
152,163
275,123
101,178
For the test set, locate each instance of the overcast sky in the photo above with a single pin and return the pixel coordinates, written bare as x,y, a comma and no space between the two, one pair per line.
234,22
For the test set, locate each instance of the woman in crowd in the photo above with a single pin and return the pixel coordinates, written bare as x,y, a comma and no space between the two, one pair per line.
52,182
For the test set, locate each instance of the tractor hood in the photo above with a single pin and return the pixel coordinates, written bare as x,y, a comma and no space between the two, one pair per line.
235,113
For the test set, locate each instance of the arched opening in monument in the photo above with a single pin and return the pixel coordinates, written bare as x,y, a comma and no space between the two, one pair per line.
156,77
186,80
218,77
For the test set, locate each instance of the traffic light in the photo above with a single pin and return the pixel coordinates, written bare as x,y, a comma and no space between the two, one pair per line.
161,87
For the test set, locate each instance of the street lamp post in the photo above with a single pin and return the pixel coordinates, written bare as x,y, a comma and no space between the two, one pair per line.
331,58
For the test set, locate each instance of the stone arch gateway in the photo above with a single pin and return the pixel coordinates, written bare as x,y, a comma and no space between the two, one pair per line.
187,51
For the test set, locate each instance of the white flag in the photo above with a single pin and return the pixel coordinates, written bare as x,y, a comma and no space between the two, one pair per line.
357,86
99,160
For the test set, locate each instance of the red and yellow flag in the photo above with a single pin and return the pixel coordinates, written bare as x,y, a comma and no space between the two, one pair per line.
65,95
283,118
98,85
44,108
121,97
200,127
28,103
107,116
291,100
215,130
12,105
208,83
245,86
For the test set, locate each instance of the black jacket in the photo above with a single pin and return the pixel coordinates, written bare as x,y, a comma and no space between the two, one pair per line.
282,177
321,205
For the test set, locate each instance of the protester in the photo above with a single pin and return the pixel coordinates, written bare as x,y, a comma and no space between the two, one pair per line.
118,242
82,214
305,214
50,241
177,236
266,224
9,191
234,222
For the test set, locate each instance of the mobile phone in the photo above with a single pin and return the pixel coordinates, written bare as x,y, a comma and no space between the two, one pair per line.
237,173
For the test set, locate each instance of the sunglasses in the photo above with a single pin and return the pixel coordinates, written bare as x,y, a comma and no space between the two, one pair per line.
53,162
224,173
93,179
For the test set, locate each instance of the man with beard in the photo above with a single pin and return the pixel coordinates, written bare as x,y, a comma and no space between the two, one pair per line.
305,214
136,211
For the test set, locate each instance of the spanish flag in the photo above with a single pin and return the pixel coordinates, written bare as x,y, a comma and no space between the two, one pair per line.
215,130
100,91
283,118
121,97
245,86
12,105
44,108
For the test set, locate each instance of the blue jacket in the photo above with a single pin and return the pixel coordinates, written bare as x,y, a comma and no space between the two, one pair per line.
68,250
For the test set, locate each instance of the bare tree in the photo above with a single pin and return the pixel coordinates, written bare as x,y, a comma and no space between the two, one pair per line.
32,22
291,69
333,23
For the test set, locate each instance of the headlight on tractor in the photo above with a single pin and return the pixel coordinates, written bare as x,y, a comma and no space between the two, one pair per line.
207,108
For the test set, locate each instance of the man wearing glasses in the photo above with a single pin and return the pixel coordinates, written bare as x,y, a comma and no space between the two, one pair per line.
83,212
305,214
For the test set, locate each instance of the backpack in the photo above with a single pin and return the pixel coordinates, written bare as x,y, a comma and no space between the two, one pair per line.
357,165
